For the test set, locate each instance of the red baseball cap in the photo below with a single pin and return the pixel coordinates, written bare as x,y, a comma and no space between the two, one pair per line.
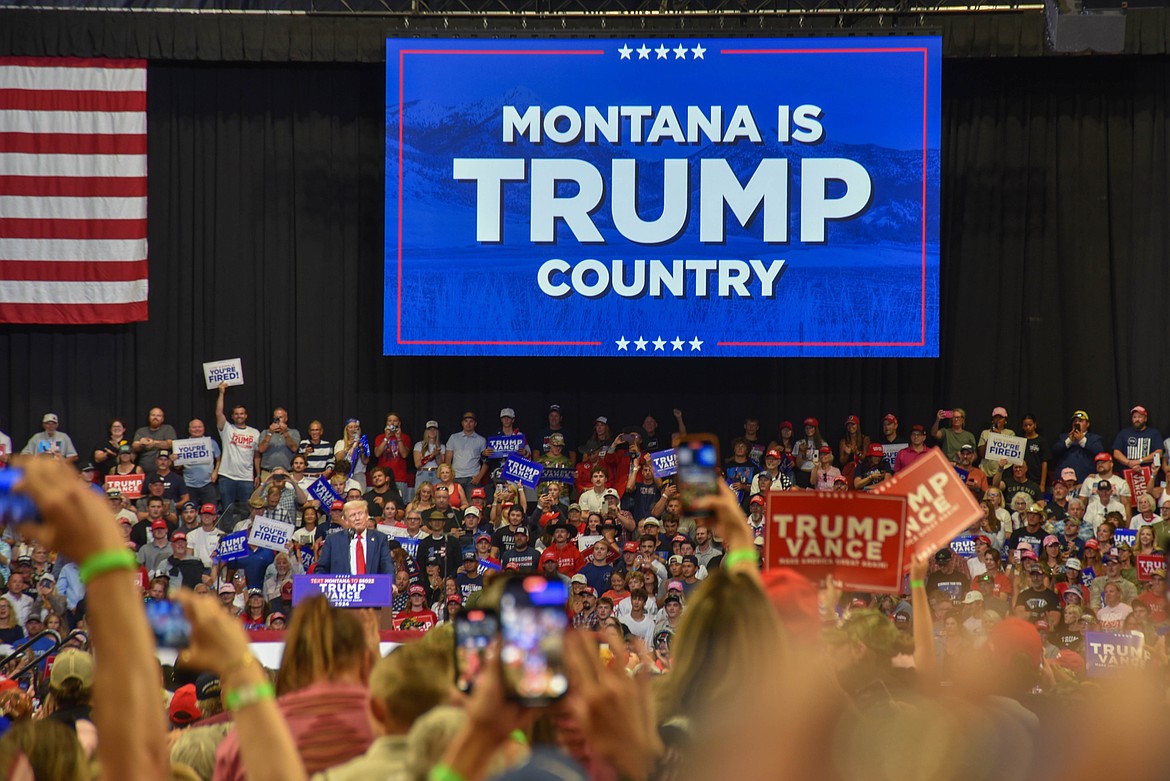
786,424
875,450
891,417
337,505
1093,544
852,419
630,547
179,535
811,422
826,449
1103,457
1141,409
757,499
158,524
772,454
207,509
478,493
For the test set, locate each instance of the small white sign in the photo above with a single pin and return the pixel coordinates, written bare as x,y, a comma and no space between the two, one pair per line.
999,446
229,371
192,452
270,533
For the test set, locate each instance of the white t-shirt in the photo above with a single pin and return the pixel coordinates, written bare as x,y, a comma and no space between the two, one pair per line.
643,629
204,543
239,450
5,446
1112,619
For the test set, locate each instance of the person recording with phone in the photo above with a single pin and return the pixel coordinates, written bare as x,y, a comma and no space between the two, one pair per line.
1078,449
392,448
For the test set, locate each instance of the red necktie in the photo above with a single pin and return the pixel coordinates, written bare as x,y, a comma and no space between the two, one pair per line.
361,557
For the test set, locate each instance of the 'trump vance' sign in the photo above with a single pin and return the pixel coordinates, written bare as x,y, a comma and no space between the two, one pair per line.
618,186
855,537
346,590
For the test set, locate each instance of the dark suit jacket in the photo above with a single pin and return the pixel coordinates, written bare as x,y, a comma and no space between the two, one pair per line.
334,558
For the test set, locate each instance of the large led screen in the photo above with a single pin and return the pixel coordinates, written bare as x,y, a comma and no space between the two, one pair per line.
682,197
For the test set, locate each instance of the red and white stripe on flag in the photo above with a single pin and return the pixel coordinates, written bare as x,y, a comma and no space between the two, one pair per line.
72,190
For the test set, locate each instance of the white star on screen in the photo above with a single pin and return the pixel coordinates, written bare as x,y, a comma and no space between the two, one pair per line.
659,343
625,51
680,52
622,343
677,344
643,52
698,51
696,343
662,51
640,344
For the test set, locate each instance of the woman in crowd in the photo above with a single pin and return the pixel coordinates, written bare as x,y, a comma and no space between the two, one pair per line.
1019,507
423,501
1145,543
617,588
786,444
428,454
1128,564
994,497
349,449
446,478
590,532
990,525
1051,559
824,474
10,631
854,444
255,615
1091,558
807,452
48,600
306,535
1146,514
952,647
107,449
125,463
1069,632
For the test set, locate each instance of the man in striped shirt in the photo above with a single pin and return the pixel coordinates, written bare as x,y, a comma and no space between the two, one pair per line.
316,450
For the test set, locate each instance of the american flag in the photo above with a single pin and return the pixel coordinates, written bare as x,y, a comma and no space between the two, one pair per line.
72,190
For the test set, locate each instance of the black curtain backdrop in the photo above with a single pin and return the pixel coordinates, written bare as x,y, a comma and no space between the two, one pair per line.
265,224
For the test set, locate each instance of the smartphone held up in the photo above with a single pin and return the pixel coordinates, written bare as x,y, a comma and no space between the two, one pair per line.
698,469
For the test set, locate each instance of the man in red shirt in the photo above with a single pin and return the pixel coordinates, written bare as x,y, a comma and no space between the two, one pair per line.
917,449
568,555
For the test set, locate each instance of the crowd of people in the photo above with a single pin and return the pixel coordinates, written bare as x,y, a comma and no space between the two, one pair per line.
675,598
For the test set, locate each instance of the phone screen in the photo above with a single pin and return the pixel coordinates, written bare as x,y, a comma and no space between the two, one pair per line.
532,630
169,624
698,470
474,632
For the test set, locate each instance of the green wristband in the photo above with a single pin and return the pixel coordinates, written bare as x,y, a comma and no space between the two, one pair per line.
737,556
918,584
519,737
444,773
249,695
106,561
